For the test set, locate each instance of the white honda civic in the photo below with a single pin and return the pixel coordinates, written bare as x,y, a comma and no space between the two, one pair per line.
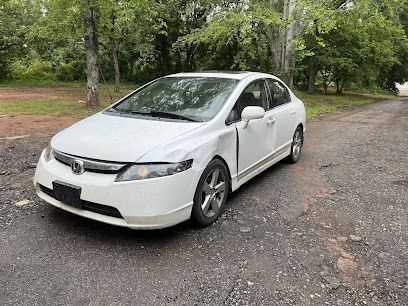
173,149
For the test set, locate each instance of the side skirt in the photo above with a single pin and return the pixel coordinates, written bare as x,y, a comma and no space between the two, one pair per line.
262,165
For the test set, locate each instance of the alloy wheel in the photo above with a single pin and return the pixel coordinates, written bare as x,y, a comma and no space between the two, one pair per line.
297,144
213,193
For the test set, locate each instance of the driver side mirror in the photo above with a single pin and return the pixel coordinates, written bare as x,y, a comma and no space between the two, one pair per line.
251,113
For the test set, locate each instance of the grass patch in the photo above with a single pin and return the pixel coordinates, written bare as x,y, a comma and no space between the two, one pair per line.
316,111
59,109
63,101
66,101
103,93
318,104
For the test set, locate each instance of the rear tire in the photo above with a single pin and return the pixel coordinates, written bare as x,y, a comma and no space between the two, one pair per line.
296,147
211,194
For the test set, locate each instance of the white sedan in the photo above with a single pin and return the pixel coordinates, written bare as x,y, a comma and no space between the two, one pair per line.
172,150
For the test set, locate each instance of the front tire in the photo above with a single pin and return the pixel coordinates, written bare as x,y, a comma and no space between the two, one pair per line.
211,194
297,144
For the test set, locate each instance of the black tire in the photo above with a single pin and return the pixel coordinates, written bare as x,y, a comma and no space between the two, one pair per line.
296,147
204,214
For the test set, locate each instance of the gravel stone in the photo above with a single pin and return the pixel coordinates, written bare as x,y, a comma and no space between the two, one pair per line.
355,238
51,257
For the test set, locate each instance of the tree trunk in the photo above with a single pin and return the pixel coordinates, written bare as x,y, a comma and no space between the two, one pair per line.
341,87
326,72
92,63
281,43
190,56
115,64
164,53
325,83
325,86
287,41
275,47
115,50
338,89
312,69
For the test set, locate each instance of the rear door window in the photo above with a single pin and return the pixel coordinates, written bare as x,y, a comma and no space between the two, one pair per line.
279,93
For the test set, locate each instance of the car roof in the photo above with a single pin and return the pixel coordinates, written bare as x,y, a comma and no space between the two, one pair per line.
238,75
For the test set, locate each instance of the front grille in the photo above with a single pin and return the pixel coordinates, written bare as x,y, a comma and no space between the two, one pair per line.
91,206
91,165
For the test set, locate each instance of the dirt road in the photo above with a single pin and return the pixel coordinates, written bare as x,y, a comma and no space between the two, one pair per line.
330,230
403,89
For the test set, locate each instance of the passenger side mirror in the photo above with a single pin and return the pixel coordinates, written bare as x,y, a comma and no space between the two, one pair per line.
251,113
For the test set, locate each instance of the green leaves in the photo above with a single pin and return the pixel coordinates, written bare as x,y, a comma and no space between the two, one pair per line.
360,41
357,41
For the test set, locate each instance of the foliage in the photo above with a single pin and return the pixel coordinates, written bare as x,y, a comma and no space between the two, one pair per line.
34,70
71,71
17,19
357,42
348,43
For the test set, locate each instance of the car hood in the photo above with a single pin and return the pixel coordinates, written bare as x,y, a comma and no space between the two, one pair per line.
116,138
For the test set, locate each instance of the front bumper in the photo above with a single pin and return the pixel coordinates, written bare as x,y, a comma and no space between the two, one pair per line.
145,204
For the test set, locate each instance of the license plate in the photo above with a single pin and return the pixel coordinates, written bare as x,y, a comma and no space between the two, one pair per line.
67,193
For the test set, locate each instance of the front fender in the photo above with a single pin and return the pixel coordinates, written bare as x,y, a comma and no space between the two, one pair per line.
201,148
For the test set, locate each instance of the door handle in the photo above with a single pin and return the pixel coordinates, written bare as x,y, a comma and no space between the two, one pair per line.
271,121
292,112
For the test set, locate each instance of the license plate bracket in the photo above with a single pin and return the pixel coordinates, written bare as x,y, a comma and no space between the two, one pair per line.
67,193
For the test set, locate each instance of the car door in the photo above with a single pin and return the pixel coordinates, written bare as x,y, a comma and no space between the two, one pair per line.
255,142
283,113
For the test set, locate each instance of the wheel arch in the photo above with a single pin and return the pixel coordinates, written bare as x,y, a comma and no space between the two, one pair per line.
226,165
302,126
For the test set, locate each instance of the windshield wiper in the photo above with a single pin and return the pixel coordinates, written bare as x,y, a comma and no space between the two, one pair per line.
172,116
141,113
165,115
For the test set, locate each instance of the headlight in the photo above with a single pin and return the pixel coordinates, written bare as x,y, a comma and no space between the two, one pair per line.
48,153
147,171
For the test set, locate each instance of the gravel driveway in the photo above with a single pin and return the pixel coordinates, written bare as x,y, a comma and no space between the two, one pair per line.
330,230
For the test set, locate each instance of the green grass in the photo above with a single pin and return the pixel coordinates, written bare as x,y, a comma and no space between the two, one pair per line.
103,93
58,102
318,104
58,108
65,103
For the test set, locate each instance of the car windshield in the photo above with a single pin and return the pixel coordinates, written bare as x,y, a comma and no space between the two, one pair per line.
192,98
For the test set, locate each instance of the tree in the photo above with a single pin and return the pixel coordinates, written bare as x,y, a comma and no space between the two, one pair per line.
115,51
16,19
120,20
351,42
91,50
251,28
348,43
289,33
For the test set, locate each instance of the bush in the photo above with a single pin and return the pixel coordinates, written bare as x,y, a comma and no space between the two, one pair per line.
43,70
71,71
65,72
36,70
17,70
